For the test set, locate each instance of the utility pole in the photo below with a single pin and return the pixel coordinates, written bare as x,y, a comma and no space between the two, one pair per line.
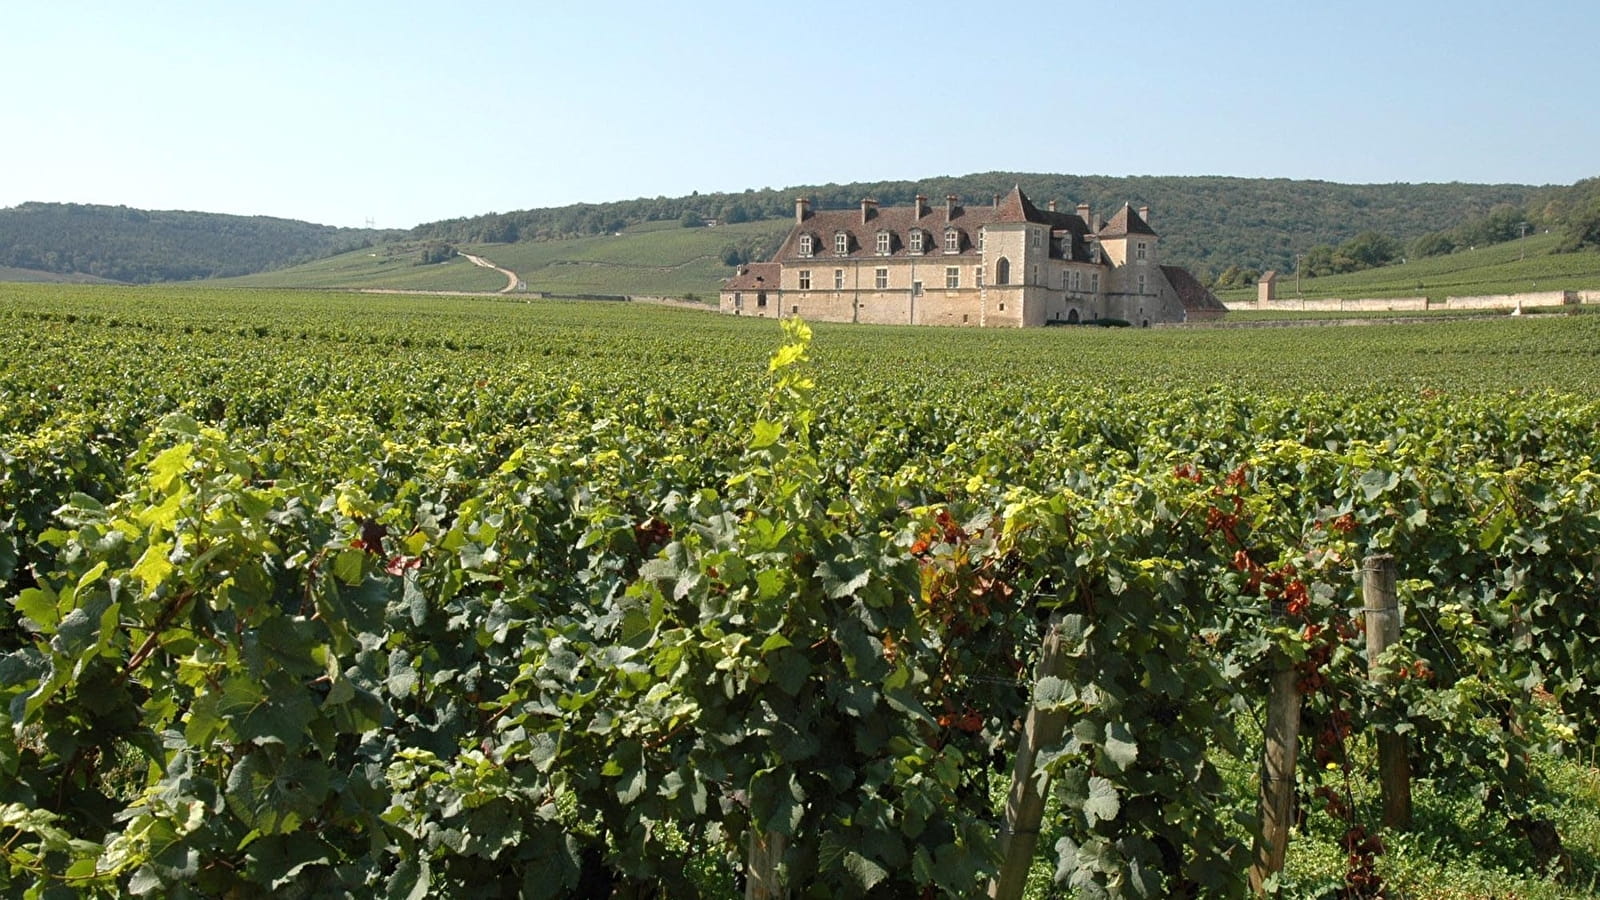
1522,242
1297,273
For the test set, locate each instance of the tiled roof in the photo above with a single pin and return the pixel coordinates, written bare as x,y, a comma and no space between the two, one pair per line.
1194,296
755,277
1124,223
1016,208
899,221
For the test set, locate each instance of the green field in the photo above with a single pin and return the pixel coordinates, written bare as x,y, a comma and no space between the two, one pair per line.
382,267
7,273
655,259
316,593
1510,268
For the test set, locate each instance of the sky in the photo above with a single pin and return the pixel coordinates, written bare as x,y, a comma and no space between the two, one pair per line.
345,112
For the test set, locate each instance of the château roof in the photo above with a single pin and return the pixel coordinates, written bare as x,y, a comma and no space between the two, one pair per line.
1194,296
1124,223
899,221
755,277
1017,208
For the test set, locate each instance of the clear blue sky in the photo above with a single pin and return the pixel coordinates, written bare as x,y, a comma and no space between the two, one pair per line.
336,111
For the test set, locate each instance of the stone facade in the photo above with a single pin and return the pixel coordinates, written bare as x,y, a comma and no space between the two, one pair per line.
1008,264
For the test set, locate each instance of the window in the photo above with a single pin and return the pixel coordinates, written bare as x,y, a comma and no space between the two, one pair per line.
977,276
841,244
1002,271
1141,284
917,235
795,309
1139,250
883,243
806,248
1002,307
838,279
1034,233
880,279
1036,274
805,279
738,300
761,300
952,278
980,239
916,289
1094,282
952,241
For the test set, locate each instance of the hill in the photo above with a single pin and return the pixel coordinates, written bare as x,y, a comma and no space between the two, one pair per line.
134,245
659,258
654,246
1207,223
1515,266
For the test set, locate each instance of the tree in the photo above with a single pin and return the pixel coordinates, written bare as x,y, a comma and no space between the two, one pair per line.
1368,250
690,219
1436,243
1582,230
1318,261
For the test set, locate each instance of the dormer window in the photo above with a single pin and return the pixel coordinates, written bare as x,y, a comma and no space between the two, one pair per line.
883,243
806,245
952,240
916,238
841,244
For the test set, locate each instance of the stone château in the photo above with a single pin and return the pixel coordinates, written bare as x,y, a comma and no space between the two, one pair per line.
1006,264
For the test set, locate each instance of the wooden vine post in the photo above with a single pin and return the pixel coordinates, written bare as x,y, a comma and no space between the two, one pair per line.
1277,773
763,874
1019,836
1382,608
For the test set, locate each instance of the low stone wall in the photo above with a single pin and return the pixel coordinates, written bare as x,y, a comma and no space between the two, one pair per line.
1512,301
1336,304
1419,304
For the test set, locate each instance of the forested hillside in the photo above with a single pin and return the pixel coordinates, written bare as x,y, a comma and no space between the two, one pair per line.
1223,229
123,244
1206,223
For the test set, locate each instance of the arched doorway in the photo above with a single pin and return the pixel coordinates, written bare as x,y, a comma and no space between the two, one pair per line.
1072,317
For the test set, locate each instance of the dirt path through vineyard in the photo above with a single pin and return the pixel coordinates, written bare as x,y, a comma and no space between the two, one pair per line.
512,281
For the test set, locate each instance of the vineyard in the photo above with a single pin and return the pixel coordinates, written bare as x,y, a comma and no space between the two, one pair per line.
321,595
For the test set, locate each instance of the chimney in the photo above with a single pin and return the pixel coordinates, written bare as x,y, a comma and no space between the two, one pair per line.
949,207
996,201
867,208
802,208
922,206
1144,213
1052,205
1083,212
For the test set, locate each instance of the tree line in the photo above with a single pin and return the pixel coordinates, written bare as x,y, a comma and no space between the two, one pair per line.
142,246
1206,223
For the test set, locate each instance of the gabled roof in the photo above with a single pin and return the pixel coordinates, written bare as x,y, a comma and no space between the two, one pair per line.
1126,222
755,277
1194,296
900,220
1017,208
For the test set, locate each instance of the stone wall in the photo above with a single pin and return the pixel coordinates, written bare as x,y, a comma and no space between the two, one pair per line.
1512,301
1335,304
